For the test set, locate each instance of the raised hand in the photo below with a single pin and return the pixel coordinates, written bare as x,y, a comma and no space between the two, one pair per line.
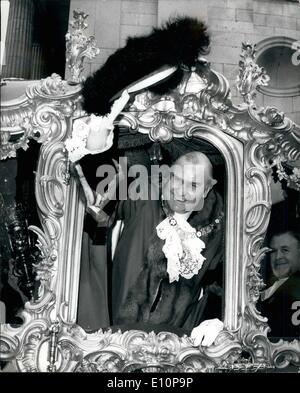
101,127
94,134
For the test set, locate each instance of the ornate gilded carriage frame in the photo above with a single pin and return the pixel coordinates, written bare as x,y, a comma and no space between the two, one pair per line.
251,141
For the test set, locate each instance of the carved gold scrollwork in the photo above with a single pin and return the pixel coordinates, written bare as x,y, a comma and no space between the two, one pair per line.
78,46
272,144
32,340
46,267
257,211
8,149
279,137
172,115
38,114
250,74
278,355
163,352
53,85
293,179
286,354
9,347
46,113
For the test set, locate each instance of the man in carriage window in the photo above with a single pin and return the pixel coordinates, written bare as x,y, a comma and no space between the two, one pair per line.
280,301
163,256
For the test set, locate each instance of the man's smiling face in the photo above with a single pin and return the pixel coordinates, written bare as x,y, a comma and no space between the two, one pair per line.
189,183
285,257
185,189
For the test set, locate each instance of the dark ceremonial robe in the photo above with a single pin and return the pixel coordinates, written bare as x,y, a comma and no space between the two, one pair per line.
13,303
283,309
139,283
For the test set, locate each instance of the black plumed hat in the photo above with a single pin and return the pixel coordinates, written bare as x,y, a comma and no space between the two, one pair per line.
178,42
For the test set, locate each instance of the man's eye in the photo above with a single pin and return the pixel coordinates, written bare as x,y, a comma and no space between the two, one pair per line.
285,250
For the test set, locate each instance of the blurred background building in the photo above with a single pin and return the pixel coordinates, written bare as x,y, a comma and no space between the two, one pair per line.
274,25
35,38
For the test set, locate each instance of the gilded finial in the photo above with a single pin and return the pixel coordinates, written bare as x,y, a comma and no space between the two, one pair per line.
78,46
250,74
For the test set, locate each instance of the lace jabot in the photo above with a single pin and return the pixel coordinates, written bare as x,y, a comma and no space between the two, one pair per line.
183,243
182,247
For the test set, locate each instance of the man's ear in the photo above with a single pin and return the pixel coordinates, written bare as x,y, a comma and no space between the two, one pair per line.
209,186
213,182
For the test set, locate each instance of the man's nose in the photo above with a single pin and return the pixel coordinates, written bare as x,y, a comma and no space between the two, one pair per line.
179,194
183,193
278,254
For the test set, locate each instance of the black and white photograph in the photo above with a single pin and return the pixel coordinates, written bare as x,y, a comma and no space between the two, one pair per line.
150,189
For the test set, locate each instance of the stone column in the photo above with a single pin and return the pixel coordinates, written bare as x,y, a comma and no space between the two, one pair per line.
37,64
19,39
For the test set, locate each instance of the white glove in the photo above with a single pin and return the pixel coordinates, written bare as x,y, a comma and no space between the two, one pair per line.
101,135
206,333
94,134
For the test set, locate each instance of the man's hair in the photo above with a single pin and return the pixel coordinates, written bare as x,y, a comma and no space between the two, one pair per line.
194,157
292,230
197,158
